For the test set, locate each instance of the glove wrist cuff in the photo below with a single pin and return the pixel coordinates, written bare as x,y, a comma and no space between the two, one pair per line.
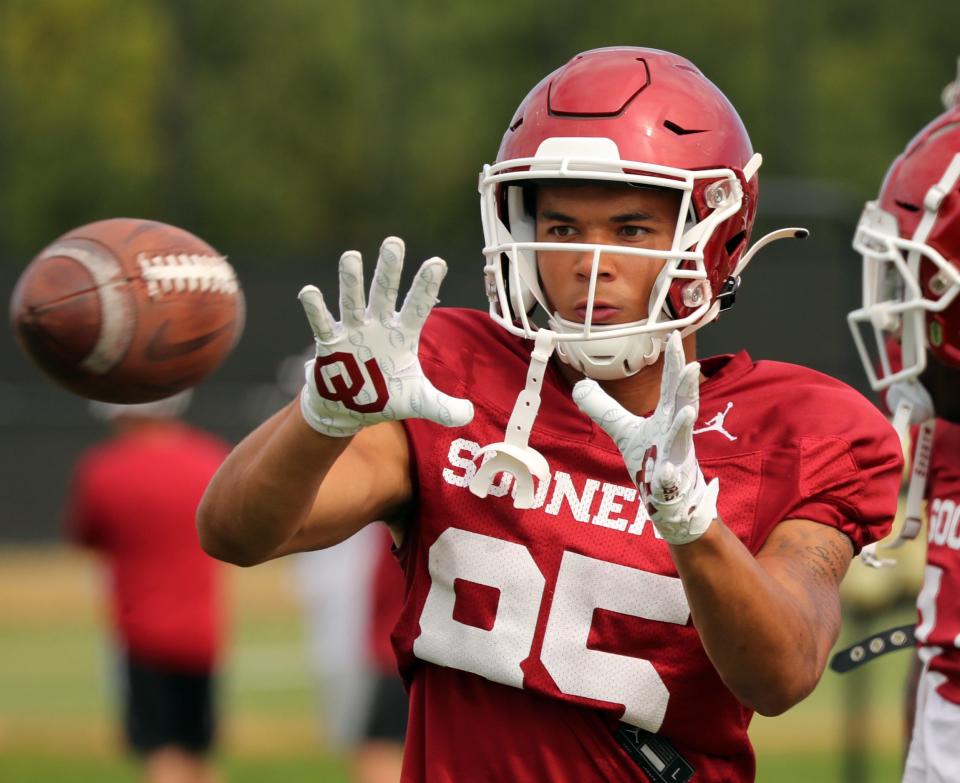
687,519
325,424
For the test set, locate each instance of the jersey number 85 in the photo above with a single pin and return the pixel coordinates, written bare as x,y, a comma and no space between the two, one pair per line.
583,585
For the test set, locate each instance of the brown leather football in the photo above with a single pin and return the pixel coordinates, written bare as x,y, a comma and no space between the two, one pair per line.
128,310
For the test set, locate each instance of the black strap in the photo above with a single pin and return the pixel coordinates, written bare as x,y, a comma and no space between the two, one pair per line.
728,293
654,754
898,638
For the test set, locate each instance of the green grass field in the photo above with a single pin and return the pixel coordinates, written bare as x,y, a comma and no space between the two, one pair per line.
56,709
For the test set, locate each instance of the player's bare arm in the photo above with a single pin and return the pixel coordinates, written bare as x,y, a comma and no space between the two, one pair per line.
767,623
286,488
337,459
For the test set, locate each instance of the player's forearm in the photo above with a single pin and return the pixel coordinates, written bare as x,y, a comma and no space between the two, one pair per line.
768,643
264,491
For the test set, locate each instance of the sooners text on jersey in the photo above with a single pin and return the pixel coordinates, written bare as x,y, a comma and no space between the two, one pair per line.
938,605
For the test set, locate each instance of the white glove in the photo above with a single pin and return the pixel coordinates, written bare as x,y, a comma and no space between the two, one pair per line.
366,369
658,450
914,393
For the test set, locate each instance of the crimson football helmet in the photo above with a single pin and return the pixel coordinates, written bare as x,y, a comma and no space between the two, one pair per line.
629,115
910,242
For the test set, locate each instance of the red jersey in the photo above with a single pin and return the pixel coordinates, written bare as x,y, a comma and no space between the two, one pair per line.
938,605
134,500
528,636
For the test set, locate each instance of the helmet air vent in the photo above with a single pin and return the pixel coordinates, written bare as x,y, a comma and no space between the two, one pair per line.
680,131
906,206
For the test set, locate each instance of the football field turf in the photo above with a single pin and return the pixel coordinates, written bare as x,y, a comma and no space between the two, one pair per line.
56,706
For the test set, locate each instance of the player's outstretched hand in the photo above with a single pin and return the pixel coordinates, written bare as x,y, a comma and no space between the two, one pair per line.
658,450
366,369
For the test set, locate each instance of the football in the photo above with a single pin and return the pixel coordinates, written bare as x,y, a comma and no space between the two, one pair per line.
127,310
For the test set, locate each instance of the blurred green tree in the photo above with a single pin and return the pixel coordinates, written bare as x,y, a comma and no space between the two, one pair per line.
295,128
79,100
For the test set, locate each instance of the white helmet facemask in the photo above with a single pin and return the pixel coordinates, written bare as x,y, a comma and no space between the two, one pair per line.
602,352
893,302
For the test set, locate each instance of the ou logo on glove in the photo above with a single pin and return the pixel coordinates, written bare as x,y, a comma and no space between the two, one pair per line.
337,389
376,374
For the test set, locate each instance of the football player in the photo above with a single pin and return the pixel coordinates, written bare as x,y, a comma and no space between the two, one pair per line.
910,241
653,548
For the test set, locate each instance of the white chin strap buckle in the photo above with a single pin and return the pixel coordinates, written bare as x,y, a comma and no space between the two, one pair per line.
916,489
514,455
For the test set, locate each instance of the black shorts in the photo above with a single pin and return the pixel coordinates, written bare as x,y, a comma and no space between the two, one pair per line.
164,708
388,710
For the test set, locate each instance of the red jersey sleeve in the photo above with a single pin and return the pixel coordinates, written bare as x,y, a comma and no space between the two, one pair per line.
848,464
788,442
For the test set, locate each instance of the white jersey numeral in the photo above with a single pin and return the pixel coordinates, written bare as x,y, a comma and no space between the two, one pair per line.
495,654
584,584
927,601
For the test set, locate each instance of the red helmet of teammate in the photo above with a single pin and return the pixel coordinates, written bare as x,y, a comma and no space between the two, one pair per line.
910,242
629,115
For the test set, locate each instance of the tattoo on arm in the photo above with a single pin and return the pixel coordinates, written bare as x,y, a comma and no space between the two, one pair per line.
822,553
814,559
828,561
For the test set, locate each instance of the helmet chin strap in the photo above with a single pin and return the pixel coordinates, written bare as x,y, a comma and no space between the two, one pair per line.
514,455
606,359
912,523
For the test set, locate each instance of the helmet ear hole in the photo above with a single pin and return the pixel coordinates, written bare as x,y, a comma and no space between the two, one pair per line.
529,199
519,302
511,298
735,243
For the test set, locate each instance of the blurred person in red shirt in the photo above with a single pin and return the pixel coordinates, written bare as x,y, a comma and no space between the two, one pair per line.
133,501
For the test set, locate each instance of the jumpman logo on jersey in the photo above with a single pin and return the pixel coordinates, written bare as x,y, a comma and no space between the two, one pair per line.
716,424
